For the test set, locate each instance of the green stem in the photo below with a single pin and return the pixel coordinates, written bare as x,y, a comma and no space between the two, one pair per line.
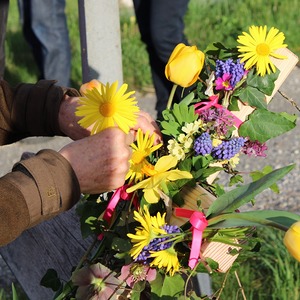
171,96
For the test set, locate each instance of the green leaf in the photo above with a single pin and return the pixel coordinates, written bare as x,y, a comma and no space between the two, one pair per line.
173,286
14,292
156,286
253,97
234,104
234,199
139,286
264,125
170,128
89,212
236,179
187,100
255,175
167,287
121,245
51,280
274,218
176,118
265,84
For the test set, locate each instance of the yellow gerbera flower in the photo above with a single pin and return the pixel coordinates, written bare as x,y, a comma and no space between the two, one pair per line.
150,229
258,46
159,175
166,259
141,150
107,106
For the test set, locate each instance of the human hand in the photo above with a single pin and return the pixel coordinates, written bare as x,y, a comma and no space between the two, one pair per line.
146,123
68,122
100,161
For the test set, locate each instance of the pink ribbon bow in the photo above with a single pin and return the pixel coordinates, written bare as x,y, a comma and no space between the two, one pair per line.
199,223
213,102
119,194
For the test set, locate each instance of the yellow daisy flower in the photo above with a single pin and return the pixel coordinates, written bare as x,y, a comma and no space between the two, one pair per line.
258,46
141,150
159,175
106,106
150,229
166,259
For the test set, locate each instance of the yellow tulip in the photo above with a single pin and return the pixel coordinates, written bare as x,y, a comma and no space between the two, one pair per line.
292,240
184,65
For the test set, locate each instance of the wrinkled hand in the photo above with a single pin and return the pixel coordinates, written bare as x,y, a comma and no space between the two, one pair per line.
100,161
68,122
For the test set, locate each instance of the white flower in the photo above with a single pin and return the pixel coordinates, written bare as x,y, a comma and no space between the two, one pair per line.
176,150
210,85
191,128
186,142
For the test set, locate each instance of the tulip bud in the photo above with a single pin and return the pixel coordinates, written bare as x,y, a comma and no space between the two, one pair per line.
89,85
184,65
292,240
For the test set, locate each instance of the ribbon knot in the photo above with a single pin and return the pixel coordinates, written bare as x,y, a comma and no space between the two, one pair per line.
213,102
119,194
199,223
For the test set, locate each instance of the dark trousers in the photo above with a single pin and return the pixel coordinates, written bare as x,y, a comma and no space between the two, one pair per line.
161,24
45,29
3,21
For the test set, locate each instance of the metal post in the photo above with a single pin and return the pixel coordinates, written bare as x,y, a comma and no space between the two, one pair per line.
100,38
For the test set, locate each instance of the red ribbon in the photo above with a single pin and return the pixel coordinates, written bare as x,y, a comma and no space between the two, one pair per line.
213,102
119,194
199,223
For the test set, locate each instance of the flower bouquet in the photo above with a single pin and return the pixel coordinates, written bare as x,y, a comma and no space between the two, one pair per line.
172,219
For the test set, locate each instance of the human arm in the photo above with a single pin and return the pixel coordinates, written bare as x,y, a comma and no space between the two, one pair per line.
31,110
49,183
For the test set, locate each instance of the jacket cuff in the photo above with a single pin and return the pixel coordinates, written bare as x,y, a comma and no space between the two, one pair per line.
55,182
36,107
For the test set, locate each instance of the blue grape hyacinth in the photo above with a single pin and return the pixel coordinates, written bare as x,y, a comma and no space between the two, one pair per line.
203,144
235,69
228,149
158,244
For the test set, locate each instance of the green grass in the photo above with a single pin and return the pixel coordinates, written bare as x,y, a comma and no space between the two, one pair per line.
270,274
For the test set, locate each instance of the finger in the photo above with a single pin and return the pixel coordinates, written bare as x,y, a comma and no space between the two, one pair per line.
147,124
130,137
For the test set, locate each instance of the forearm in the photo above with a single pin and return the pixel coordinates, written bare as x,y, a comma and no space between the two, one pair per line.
31,110
37,189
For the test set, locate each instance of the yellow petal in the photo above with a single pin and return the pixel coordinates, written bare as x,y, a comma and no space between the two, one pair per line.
292,240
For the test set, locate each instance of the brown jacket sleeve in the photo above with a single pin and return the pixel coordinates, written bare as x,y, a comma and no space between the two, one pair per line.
40,187
37,189
30,110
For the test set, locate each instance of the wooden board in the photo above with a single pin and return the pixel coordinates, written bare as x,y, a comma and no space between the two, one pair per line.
53,244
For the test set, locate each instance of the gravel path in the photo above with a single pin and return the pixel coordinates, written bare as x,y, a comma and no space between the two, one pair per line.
282,151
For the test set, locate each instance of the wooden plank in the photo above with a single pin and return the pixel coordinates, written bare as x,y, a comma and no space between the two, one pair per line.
56,244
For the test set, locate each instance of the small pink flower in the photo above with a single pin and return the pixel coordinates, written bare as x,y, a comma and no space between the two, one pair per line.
135,272
223,83
96,282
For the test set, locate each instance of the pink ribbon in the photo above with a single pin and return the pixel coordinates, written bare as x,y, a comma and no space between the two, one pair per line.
199,223
213,102
119,194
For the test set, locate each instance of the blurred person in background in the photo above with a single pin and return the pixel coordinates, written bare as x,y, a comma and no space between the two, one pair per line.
4,4
161,24
45,28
